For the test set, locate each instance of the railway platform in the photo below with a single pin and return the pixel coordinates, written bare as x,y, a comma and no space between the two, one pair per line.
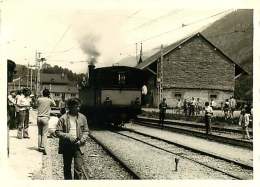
24,158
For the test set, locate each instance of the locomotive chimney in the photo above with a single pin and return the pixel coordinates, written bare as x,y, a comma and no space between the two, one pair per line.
91,67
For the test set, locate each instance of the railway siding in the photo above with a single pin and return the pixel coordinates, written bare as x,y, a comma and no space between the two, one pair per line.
233,169
239,154
152,163
230,136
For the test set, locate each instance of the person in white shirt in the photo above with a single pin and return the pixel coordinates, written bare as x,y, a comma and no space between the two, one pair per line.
244,122
44,107
179,106
232,106
208,116
24,103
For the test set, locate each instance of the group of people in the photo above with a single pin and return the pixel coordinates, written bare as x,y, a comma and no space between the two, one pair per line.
229,107
192,107
72,127
19,104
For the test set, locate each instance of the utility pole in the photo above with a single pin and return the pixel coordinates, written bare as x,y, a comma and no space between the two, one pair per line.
19,83
38,61
27,77
36,65
161,96
160,77
31,75
136,53
31,80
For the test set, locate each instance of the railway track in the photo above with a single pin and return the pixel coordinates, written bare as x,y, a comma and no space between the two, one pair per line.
230,168
184,155
120,161
218,135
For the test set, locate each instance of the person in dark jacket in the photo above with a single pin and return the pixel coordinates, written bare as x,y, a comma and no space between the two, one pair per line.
62,105
162,112
72,130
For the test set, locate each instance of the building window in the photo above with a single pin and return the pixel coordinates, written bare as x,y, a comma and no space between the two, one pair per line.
177,95
121,78
57,94
213,96
73,95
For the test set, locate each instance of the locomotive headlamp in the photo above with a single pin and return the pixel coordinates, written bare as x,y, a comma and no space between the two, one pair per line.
176,163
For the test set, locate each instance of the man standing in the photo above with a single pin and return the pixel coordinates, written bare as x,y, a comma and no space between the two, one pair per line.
178,107
62,105
212,103
24,103
185,107
244,122
44,107
208,115
11,109
162,112
192,106
72,130
232,106
10,74
198,107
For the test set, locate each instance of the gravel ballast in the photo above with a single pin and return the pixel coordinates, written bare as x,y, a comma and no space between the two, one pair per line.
151,163
97,163
220,164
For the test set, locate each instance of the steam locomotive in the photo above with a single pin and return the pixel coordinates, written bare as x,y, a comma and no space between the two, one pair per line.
112,95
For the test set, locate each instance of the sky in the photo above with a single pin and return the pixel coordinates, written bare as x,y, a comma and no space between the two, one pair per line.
69,34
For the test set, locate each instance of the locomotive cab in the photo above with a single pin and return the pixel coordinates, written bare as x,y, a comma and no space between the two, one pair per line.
113,95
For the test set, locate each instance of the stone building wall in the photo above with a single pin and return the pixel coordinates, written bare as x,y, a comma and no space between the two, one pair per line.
197,65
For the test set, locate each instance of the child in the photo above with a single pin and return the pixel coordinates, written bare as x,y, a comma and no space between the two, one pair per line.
226,109
244,122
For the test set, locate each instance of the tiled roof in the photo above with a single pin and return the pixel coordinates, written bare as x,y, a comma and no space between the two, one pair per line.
47,78
61,88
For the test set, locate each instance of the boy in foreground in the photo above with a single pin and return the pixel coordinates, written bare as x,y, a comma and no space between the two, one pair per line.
72,130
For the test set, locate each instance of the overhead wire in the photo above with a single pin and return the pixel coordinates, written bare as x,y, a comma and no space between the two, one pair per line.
149,22
61,38
156,19
176,28
182,26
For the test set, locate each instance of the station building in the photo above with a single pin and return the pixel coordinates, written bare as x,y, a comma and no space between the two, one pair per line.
59,86
191,67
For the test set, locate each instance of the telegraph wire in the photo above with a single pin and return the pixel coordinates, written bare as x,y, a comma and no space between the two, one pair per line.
177,28
156,19
182,26
61,38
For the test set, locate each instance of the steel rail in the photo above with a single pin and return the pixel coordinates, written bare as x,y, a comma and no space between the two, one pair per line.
217,138
110,152
178,154
244,165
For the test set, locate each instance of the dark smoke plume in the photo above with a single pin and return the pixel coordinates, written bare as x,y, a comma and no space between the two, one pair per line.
88,45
